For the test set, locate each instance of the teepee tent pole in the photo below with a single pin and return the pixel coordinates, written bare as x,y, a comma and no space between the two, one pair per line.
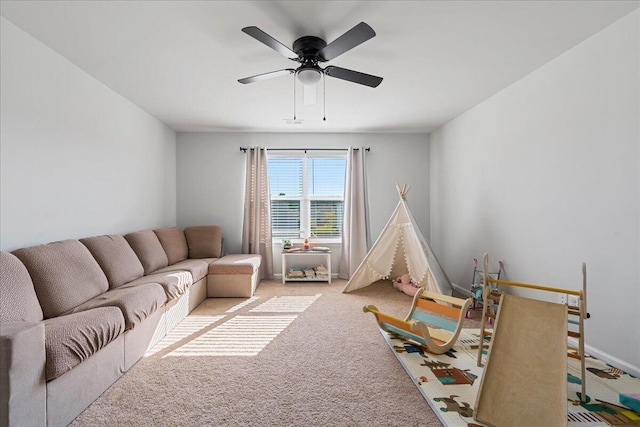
402,192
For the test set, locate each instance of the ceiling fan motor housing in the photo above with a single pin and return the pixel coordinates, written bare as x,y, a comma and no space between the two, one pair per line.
307,48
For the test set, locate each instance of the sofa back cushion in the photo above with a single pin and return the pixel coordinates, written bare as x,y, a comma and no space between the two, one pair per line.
116,258
174,243
204,241
19,300
64,275
148,249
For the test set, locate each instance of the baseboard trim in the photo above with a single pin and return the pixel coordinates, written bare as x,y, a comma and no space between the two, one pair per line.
464,291
609,359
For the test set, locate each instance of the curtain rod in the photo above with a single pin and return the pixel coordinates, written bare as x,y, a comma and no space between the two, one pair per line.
244,149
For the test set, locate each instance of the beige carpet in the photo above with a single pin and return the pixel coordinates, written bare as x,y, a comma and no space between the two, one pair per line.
295,362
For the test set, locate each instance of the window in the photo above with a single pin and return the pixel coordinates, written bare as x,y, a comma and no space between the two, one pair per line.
307,195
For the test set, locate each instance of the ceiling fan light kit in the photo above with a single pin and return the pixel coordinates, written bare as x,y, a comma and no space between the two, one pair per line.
308,76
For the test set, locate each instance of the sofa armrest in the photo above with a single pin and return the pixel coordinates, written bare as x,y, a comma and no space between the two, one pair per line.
22,374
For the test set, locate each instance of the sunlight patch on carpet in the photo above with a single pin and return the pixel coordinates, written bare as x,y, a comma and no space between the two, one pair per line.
242,304
286,304
190,325
239,336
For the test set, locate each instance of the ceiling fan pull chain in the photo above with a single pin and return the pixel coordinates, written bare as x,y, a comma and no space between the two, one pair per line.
294,96
324,97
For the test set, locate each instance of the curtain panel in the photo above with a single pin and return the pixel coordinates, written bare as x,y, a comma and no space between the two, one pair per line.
355,226
256,229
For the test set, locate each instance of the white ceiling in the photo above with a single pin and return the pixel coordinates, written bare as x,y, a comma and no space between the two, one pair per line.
180,60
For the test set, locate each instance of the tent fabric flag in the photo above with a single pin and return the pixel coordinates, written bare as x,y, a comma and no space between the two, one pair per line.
401,248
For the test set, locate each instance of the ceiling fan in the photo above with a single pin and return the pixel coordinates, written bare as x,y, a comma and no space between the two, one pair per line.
309,51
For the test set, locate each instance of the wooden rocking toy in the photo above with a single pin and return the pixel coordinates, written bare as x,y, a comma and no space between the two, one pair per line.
434,321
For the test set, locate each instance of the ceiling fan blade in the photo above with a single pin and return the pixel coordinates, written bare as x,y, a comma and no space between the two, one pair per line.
267,76
352,38
353,76
274,44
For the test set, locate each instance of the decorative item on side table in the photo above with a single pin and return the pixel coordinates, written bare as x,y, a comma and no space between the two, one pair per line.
306,244
286,244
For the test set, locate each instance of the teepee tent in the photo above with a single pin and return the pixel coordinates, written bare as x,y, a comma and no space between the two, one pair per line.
401,248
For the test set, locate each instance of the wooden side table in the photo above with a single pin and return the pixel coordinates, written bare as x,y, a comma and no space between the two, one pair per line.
306,260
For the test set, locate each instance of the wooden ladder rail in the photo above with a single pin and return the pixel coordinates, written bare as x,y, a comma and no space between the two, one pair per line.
491,298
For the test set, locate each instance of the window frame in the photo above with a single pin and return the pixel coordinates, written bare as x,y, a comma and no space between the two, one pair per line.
305,198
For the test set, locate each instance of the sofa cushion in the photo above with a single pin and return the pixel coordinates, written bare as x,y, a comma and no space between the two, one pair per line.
71,339
116,258
64,275
148,249
236,264
174,243
19,300
174,283
197,267
204,241
136,303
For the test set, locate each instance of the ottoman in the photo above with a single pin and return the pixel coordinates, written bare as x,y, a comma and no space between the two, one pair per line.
233,276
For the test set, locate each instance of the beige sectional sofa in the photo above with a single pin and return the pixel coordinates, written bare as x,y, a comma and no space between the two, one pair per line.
76,315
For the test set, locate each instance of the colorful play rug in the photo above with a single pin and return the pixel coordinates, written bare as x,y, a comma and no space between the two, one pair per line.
450,382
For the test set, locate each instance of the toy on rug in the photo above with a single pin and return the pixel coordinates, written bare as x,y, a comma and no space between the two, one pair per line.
434,320
632,400
477,286
406,284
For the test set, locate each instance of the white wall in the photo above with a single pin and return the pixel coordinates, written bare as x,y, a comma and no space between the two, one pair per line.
211,173
77,158
545,175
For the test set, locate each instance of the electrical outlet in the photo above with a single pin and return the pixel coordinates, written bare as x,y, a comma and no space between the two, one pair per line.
562,298
573,300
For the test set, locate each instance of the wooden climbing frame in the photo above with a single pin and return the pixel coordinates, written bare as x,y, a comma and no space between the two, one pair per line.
577,314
